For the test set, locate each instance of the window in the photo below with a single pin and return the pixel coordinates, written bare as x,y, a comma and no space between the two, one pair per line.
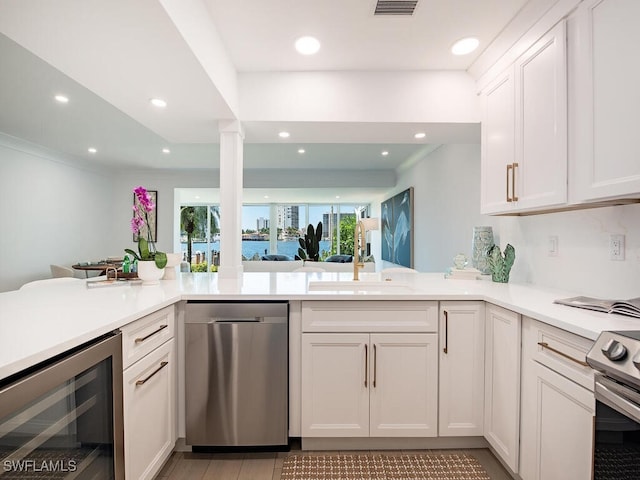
275,228
200,236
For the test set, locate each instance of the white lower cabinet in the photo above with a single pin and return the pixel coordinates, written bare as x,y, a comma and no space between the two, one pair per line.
557,410
149,396
361,385
335,400
461,386
369,369
502,383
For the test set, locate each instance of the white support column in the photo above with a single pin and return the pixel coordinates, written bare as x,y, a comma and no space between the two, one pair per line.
231,165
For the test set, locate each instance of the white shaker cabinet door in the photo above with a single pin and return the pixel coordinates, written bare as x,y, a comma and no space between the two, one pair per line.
149,395
502,383
335,385
403,379
604,78
557,427
497,144
540,168
461,386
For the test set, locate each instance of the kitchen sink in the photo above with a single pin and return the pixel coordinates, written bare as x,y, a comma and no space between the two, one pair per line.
360,286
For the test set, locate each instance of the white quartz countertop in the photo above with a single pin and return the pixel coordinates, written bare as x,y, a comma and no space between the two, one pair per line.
39,323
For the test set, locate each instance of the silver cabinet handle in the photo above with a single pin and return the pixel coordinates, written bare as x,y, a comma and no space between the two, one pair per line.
446,332
509,169
375,364
145,380
562,354
142,339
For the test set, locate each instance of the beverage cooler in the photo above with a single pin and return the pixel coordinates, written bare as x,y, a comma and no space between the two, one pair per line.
63,418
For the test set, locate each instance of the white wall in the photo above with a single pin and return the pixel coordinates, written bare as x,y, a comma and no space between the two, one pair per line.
433,96
165,183
446,187
582,264
446,205
52,211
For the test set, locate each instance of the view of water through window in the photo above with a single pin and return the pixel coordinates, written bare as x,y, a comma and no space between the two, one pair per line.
200,229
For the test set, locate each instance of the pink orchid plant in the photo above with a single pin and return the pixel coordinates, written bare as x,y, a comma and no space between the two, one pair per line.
142,206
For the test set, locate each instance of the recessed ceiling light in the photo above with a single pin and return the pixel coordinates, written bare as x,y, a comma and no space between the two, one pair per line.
307,45
166,150
384,153
92,150
61,99
301,150
465,46
197,197
420,135
284,134
266,196
337,196
158,102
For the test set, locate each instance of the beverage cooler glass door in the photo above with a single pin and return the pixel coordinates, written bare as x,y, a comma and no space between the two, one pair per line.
64,420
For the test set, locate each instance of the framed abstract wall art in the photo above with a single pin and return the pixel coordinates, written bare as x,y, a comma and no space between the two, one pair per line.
397,228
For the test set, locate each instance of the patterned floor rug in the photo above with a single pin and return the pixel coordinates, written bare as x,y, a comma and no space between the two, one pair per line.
383,467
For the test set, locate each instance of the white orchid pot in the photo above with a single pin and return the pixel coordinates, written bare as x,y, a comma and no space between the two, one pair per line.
149,273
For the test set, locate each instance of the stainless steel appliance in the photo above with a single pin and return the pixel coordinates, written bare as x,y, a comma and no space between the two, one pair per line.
236,374
616,358
63,418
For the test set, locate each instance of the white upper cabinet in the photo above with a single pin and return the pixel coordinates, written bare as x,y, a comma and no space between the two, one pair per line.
524,131
540,168
497,143
604,75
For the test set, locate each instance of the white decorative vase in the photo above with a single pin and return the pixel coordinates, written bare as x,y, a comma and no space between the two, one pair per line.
173,260
149,273
482,241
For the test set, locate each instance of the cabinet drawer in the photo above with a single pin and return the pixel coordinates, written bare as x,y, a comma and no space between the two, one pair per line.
142,336
369,316
559,350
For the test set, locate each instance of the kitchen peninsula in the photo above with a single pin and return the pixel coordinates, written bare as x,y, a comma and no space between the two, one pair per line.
54,319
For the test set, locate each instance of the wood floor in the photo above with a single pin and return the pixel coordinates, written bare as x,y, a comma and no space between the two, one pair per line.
267,466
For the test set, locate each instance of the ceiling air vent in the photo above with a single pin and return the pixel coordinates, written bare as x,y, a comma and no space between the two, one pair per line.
395,7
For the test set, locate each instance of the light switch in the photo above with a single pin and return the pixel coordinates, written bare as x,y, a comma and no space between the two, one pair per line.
553,245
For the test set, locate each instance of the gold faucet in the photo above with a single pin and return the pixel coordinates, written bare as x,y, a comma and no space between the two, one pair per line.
357,264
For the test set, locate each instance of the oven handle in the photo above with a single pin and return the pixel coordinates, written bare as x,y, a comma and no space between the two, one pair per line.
617,402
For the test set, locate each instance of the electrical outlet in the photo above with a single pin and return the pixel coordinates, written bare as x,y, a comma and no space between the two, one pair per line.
616,247
553,246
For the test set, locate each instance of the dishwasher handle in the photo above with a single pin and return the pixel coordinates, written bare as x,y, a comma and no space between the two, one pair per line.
237,320
231,320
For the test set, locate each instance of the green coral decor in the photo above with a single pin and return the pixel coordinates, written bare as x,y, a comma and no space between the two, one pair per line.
310,245
501,265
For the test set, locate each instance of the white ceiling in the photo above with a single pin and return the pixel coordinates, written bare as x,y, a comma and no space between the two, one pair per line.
111,56
259,35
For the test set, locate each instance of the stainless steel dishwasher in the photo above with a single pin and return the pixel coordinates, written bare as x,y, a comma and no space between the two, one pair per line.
236,374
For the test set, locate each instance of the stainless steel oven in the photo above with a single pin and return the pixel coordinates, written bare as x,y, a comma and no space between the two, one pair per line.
616,357
63,418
